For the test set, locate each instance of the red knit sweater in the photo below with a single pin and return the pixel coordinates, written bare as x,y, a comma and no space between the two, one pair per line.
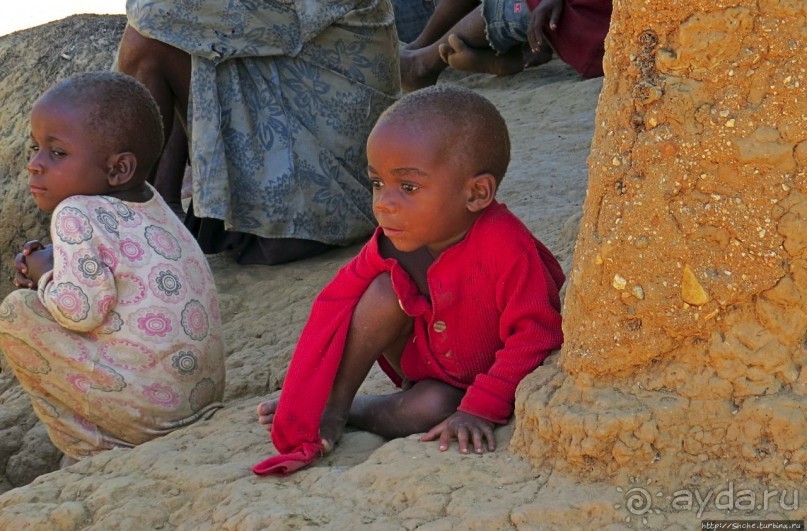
493,317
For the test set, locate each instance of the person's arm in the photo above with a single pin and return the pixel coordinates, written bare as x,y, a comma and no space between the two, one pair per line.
29,269
39,262
546,14
78,279
530,327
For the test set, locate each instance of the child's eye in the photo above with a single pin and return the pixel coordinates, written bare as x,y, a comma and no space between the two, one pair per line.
57,153
33,148
409,187
376,184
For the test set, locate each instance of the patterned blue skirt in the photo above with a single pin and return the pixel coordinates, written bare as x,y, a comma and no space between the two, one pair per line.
283,95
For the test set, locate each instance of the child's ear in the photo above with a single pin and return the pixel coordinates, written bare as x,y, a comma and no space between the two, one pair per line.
122,167
482,189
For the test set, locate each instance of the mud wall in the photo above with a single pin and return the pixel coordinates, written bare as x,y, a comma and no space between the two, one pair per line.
686,312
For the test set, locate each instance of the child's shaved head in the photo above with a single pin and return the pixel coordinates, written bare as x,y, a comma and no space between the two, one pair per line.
474,130
119,110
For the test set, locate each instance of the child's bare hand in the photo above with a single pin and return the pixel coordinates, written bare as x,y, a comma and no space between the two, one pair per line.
546,14
22,278
465,428
34,260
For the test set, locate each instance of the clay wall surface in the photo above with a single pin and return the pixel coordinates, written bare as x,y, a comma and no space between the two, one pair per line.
686,313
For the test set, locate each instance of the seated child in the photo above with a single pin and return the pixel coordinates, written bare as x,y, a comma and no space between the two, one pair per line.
120,342
503,37
453,296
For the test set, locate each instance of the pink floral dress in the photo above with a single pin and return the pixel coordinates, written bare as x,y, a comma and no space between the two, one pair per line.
122,341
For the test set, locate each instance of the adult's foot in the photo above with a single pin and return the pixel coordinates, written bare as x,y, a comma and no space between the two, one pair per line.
417,71
460,56
276,251
531,59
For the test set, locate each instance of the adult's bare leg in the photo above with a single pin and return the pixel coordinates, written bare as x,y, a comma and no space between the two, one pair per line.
421,67
172,163
447,13
163,69
460,56
166,73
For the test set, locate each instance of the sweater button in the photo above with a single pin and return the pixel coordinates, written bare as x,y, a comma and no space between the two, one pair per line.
439,326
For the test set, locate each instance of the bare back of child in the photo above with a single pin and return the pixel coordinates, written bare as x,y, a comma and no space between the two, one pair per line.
435,160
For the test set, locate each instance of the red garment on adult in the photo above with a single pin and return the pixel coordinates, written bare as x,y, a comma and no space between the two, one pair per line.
579,39
493,317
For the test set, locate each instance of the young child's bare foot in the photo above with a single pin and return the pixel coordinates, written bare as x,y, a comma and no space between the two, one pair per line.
460,56
327,446
67,461
331,427
416,72
266,413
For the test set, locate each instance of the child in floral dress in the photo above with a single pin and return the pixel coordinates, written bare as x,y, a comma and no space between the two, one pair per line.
116,333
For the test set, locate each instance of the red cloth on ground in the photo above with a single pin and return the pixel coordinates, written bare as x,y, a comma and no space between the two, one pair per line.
579,39
492,318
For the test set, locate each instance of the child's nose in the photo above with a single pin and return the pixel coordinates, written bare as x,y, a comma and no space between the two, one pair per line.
34,164
383,201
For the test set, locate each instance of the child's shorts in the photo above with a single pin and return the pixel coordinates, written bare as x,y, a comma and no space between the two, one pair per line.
507,22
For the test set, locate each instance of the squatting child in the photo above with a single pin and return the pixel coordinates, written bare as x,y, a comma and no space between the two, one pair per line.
116,333
453,296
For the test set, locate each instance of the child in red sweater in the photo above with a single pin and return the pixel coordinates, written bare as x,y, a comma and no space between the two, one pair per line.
452,296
